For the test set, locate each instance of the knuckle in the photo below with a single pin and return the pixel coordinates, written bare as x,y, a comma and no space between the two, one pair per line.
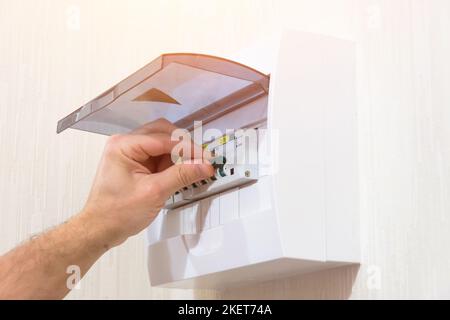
162,121
114,139
112,144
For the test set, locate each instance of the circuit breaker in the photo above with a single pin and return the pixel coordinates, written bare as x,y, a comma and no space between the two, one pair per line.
284,197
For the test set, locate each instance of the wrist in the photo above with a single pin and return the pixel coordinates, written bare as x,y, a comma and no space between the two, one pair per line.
96,232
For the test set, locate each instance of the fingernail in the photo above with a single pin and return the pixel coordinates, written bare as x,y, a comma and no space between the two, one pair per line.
207,169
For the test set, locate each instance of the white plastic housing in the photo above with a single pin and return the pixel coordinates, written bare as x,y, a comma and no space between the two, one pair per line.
301,212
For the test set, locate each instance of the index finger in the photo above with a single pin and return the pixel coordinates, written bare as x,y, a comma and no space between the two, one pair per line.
159,126
140,147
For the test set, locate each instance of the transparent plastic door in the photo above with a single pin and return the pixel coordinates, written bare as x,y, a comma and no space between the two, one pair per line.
182,88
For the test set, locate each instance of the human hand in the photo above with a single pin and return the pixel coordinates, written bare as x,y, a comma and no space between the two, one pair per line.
135,178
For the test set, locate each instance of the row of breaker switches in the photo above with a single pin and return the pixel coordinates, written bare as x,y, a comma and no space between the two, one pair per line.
241,170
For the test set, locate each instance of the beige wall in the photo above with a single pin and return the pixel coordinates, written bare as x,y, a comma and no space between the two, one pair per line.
49,65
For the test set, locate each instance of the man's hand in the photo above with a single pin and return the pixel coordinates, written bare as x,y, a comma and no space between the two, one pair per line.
134,180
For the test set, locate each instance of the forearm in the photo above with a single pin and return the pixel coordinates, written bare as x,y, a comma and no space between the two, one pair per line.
135,178
38,268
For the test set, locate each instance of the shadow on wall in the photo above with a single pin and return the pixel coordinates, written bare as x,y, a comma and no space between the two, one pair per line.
327,284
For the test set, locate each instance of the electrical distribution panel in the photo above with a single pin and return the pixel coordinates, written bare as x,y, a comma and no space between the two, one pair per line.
284,197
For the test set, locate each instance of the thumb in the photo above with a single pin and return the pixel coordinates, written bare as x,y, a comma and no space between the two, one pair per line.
182,175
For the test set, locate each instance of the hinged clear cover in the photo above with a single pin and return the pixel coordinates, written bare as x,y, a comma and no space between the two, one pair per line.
182,88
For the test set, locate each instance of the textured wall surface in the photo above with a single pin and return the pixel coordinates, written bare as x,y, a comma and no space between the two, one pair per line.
56,55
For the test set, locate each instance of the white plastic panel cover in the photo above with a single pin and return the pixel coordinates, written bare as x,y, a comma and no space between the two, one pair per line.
182,88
